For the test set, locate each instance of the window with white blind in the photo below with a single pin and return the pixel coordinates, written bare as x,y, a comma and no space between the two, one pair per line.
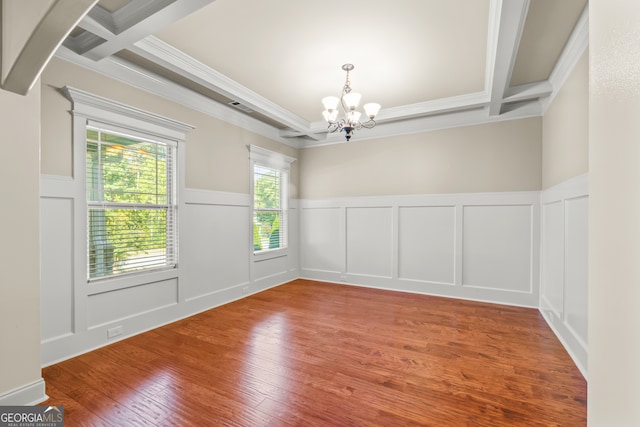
269,208
270,199
131,203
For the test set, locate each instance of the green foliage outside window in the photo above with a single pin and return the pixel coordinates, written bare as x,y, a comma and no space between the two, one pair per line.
267,208
127,197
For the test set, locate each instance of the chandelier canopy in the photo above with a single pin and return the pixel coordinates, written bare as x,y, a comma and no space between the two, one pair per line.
349,102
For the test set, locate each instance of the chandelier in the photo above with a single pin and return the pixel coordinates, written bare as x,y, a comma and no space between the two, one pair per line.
349,102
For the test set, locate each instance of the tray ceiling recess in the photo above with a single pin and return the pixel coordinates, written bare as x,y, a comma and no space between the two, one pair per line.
265,65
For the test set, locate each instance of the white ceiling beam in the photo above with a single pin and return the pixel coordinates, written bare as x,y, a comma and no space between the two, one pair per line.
94,26
528,91
55,26
506,22
139,78
140,23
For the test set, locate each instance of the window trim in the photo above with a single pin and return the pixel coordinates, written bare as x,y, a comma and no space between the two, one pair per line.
170,207
271,159
98,111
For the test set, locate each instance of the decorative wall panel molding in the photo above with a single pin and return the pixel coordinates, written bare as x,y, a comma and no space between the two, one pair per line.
481,246
213,269
564,265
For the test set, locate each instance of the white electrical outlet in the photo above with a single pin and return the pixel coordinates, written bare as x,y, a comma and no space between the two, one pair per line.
245,290
114,332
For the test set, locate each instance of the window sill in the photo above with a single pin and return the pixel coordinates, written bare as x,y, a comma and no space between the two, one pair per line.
129,280
270,254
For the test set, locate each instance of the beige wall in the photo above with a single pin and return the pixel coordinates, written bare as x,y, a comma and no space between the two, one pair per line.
217,157
20,250
565,129
504,156
614,213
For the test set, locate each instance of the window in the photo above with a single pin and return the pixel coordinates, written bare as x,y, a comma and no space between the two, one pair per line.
128,177
269,208
131,203
270,197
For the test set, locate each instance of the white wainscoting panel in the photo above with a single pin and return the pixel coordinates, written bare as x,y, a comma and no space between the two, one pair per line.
215,261
266,269
497,247
216,252
322,239
121,304
553,256
564,265
369,241
576,271
426,243
56,267
294,238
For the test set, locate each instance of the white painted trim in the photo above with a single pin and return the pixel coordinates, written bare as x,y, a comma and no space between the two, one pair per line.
577,186
508,198
60,19
270,158
421,109
136,77
100,109
528,91
573,50
528,297
509,16
449,120
136,19
154,49
506,20
75,345
548,317
571,189
27,395
208,197
56,186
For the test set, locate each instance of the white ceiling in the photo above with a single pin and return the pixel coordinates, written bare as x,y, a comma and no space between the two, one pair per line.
430,63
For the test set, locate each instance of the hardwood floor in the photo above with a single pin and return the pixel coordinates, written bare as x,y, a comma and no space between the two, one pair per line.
315,354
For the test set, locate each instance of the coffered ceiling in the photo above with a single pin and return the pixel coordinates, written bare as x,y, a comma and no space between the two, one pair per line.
430,63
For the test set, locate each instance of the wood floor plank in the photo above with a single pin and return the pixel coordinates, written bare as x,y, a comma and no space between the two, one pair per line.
308,353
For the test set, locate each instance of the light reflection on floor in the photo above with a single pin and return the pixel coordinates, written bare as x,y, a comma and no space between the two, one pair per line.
266,354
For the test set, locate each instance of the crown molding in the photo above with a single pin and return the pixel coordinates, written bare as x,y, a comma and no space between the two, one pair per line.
573,50
138,78
497,102
450,120
164,54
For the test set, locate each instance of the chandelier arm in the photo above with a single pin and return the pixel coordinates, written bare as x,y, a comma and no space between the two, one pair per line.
347,123
369,124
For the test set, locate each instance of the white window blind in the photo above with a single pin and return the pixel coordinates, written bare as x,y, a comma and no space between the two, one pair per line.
131,203
270,194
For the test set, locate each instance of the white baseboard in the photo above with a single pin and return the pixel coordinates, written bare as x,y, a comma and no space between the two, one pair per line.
27,395
577,353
